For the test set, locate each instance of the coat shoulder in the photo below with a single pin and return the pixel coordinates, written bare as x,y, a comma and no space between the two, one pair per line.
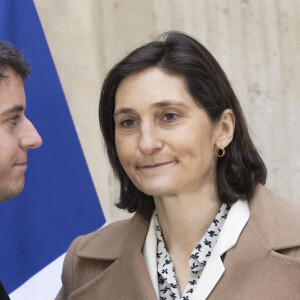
90,255
106,242
277,219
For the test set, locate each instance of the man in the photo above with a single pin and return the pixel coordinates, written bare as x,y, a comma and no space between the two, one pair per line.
17,134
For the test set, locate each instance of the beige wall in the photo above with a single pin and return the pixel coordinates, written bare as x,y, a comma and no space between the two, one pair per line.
257,43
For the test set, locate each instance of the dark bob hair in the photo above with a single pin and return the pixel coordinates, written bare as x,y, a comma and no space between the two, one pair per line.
239,171
12,57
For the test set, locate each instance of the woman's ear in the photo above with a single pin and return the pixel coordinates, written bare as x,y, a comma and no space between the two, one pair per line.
225,129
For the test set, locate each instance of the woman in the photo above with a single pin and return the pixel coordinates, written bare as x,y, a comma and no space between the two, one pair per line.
204,227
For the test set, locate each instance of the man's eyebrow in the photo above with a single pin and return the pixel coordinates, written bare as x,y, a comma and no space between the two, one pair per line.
16,108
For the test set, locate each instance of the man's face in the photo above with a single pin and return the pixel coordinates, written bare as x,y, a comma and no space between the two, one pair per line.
17,135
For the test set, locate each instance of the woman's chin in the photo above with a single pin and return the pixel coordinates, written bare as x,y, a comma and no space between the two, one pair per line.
157,190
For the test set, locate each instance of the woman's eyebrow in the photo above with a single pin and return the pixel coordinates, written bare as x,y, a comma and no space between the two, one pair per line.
127,110
169,103
124,110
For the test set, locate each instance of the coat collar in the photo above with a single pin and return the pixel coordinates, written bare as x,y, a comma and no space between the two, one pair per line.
254,264
267,211
127,276
119,239
122,242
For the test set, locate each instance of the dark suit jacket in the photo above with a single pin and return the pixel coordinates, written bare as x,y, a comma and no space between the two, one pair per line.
264,264
3,294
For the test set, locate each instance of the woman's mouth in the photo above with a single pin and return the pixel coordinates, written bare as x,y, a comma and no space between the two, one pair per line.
156,165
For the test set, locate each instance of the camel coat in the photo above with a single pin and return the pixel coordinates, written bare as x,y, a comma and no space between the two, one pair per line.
264,264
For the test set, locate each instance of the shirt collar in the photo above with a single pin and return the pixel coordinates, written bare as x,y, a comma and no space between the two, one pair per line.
202,251
237,219
235,222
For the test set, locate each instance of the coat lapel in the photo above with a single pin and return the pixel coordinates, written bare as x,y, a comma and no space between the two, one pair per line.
253,267
127,276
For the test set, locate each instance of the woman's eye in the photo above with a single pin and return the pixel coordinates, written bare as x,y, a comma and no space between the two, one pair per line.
128,123
170,117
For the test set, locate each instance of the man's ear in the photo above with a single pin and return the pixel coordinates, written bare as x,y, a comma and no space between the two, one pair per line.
225,129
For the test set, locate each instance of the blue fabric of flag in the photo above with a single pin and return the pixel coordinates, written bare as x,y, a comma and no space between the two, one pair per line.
59,201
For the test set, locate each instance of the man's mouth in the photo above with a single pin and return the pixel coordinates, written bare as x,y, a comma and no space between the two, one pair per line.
21,163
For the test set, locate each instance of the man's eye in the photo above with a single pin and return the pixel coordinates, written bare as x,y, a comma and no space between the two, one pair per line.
170,117
128,123
14,119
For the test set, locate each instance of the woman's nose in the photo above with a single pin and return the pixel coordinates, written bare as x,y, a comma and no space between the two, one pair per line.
30,138
149,140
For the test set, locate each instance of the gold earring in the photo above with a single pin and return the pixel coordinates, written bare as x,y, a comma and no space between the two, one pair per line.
220,152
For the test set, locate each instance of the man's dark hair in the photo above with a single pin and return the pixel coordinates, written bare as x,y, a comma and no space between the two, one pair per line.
12,57
240,170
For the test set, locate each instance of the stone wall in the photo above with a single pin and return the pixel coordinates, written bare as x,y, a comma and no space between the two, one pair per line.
257,43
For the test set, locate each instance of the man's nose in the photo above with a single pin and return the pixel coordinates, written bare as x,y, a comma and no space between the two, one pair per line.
30,138
149,140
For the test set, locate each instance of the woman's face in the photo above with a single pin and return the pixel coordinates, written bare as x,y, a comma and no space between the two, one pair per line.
165,142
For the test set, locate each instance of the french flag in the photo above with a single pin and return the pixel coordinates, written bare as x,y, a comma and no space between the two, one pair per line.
59,201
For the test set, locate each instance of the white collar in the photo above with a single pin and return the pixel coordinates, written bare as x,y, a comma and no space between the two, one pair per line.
149,252
237,218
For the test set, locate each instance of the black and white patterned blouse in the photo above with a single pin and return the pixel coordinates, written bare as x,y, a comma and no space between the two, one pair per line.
168,288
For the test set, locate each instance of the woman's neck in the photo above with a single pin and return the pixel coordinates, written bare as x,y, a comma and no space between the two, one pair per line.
185,218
